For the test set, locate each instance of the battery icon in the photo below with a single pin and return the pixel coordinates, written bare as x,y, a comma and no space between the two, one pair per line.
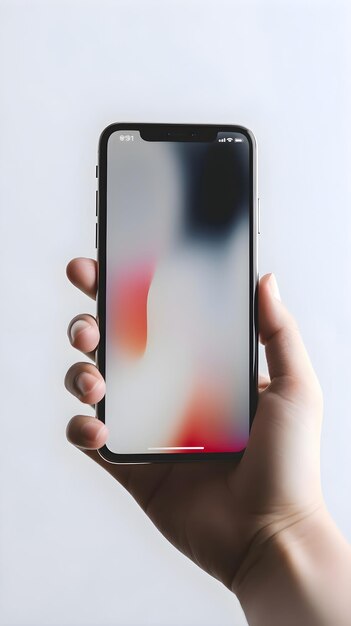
237,140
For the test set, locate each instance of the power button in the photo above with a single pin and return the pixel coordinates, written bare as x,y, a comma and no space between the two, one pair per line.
258,217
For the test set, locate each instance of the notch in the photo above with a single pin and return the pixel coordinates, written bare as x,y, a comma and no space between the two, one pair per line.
178,132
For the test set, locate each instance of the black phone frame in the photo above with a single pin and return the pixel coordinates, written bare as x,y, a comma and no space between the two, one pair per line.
180,132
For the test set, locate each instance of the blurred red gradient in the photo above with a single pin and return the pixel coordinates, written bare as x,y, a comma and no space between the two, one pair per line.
128,307
204,424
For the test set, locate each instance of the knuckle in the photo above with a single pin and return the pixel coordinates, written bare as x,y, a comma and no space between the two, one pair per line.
293,323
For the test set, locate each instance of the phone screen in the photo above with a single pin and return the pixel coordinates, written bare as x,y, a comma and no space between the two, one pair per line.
177,327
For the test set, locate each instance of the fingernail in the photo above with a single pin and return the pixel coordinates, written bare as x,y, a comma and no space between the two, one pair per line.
90,431
77,327
85,382
273,285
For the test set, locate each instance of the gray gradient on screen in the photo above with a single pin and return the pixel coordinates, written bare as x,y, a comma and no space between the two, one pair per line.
182,208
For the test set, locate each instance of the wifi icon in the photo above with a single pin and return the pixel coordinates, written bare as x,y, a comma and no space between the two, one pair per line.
230,139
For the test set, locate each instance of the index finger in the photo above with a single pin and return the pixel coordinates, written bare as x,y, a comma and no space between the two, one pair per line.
82,272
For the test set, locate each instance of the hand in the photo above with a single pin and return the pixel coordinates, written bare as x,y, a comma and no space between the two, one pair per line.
217,512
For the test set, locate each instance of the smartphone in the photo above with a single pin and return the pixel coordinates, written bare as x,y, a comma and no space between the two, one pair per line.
176,238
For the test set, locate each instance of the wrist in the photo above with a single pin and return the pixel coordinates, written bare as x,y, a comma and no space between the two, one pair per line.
299,573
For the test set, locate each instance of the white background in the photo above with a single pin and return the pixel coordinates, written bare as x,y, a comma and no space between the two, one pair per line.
75,548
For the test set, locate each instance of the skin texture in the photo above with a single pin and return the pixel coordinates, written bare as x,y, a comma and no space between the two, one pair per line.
220,514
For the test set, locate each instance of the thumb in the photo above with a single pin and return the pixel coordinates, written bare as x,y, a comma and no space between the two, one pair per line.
285,351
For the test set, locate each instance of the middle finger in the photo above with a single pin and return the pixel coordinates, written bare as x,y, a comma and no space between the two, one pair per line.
83,333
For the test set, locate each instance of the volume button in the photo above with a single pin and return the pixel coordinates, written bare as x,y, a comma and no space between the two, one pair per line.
96,234
96,202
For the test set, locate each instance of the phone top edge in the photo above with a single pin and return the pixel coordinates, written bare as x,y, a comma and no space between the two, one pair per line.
115,126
